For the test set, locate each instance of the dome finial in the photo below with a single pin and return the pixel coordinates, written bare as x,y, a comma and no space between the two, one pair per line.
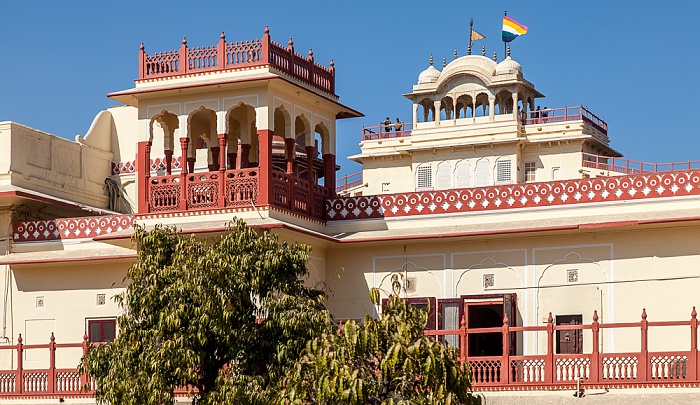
509,51
469,49
431,59
483,50
455,53
495,56
444,61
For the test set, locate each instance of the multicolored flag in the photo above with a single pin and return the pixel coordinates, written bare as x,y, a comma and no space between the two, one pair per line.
512,29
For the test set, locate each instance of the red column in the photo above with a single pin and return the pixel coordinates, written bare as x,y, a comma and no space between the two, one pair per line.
595,354
310,152
222,170
505,363
168,162
143,170
265,167
214,166
245,155
184,147
266,46
183,56
52,365
549,360
290,145
329,173
693,366
221,52
643,364
19,379
142,62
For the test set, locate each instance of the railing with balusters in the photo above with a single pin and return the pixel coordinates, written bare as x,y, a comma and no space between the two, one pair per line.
593,369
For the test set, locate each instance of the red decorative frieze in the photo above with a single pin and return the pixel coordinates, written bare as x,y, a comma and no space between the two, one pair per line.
157,164
70,228
530,195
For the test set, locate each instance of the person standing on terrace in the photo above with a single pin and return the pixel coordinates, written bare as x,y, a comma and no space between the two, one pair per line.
387,125
397,126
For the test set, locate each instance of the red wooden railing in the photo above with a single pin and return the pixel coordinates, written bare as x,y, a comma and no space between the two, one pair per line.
594,369
552,115
628,166
237,55
348,181
387,131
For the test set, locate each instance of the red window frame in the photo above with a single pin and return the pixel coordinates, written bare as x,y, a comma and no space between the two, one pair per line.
102,322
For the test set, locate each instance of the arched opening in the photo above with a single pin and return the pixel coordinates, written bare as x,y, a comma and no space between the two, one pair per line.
201,131
482,105
465,107
462,175
428,108
283,136
504,102
302,129
162,129
322,148
242,136
483,173
446,106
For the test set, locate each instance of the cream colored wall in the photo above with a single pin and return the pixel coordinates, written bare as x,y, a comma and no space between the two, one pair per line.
619,273
58,167
554,161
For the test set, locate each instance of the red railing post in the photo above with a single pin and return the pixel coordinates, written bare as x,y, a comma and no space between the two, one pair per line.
329,173
505,362
595,354
183,68
266,46
83,376
142,61
184,146
643,366
221,52
292,58
52,365
19,378
549,360
463,339
143,168
265,167
222,170
332,70
693,366
310,152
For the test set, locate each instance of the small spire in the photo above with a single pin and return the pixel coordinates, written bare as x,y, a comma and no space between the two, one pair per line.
550,319
455,53
483,50
332,64
694,314
267,30
311,53
53,338
469,49
223,36
495,56
595,315
290,43
644,314
142,47
509,51
505,319
184,40
444,61
431,59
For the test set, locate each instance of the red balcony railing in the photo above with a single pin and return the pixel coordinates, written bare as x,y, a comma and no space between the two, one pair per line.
628,166
387,131
237,55
348,181
594,369
553,115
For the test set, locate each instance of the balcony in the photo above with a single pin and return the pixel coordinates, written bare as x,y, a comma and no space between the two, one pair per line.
628,166
390,131
226,56
238,188
555,115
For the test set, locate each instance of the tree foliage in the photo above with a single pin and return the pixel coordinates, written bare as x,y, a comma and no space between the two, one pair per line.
190,319
387,360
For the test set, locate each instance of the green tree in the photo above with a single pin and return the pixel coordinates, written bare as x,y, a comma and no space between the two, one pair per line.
387,360
190,319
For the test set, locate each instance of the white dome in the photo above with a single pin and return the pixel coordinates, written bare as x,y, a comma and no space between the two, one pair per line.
508,66
429,75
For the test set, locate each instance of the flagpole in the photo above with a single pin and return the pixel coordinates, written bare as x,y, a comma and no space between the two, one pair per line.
471,42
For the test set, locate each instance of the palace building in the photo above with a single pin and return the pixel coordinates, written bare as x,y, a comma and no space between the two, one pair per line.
540,252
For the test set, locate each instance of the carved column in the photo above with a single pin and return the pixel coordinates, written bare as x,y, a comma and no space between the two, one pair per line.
265,167
492,103
329,173
184,147
143,168
436,112
515,106
221,154
290,145
168,162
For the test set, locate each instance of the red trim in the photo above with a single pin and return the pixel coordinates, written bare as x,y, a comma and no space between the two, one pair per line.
67,260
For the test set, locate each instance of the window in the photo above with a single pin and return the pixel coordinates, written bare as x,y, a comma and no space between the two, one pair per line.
449,319
483,173
503,171
102,330
530,169
444,176
569,341
462,174
424,177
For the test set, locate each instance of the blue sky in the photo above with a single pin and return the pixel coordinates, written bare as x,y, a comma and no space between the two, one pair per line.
630,62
